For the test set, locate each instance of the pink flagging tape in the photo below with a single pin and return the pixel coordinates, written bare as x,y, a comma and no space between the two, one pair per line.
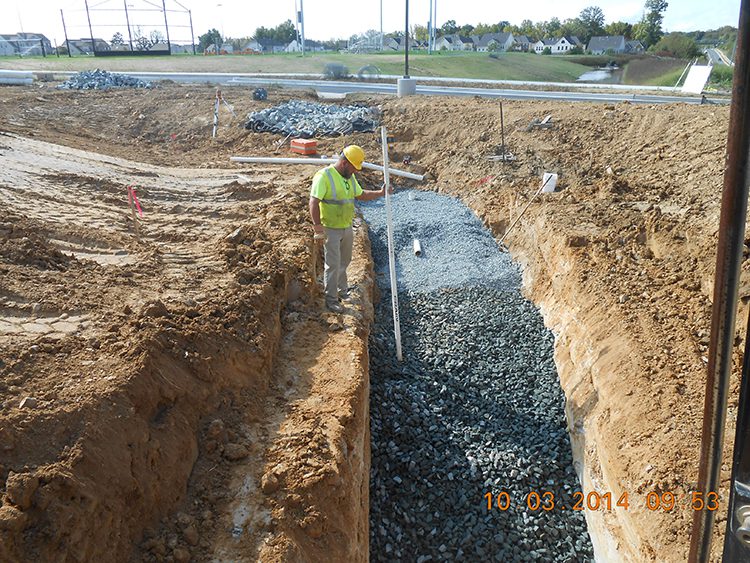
131,190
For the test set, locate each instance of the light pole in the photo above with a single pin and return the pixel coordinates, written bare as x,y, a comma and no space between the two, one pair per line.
221,24
407,86
406,43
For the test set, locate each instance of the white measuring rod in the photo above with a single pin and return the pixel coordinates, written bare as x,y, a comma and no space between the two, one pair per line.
391,252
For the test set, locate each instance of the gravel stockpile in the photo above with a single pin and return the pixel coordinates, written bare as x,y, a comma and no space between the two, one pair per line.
311,119
475,407
102,80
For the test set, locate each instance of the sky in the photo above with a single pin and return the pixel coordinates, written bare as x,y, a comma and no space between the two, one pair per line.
329,19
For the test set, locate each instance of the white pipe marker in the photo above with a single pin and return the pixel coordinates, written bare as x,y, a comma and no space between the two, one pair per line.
391,252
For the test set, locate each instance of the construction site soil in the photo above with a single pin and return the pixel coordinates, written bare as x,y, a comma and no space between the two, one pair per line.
173,390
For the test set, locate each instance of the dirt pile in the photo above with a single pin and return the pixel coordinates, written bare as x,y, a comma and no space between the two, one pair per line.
165,380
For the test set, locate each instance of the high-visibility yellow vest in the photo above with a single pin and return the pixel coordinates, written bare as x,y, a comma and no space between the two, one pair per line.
337,203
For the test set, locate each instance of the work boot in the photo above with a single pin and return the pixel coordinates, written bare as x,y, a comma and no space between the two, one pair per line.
347,293
334,306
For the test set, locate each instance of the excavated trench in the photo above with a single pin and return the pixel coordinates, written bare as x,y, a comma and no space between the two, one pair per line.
208,408
470,454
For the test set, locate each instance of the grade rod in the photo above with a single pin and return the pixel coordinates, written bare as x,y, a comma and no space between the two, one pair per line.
287,160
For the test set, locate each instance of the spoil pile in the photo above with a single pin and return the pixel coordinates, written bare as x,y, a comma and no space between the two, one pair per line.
102,80
475,407
310,119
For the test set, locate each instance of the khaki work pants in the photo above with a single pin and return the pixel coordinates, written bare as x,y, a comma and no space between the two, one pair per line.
337,254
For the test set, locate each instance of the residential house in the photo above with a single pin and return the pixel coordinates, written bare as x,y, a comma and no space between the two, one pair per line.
557,45
161,47
6,47
397,44
634,46
601,45
181,49
565,44
542,44
521,43
463,43
84,47
252,47
28,44
311,46
495,42
270,46
443,43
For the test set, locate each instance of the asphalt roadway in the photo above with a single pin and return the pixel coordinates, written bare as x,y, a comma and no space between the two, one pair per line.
552,90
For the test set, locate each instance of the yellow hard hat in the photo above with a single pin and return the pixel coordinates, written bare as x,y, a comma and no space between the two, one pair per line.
355,155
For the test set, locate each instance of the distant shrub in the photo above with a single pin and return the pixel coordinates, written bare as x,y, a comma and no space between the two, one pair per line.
335,71
721,76
677,45
547,51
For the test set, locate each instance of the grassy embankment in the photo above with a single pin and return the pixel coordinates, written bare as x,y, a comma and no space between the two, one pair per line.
501,66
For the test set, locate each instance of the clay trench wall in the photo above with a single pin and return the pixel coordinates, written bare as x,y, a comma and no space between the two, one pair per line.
125,458
590,352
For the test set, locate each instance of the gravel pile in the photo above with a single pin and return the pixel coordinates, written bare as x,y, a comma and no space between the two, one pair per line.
311,119
102,80
475,406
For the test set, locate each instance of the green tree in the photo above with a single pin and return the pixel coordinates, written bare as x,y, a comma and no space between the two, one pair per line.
285,32
418,32
575,27
211,37
449,27
648,30
678,45
592,20
527,28
117,39
619,28
552,27
466,30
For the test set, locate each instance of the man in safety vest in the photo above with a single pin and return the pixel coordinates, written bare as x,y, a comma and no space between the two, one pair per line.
334,189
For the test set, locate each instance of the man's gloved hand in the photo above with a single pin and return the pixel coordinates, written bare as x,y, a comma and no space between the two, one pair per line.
320,233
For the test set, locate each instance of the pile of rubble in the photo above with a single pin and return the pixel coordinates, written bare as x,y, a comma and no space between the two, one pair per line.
311,119
102,80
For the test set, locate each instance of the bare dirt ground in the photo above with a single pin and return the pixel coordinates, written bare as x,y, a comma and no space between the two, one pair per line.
186,397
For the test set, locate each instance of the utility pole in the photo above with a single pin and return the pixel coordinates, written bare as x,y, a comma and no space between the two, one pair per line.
302,23
381,25
434,25
166,25
192,34
127,21
91,31
65,30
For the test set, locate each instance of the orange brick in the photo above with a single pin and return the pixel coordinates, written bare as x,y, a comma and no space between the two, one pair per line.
304,146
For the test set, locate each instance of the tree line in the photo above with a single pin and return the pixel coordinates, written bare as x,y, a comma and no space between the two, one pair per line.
589,23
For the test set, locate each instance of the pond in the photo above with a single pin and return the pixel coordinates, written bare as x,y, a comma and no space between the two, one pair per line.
602,76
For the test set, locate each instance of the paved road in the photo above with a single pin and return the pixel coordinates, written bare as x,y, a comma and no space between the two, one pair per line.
553,91
507,94
717,57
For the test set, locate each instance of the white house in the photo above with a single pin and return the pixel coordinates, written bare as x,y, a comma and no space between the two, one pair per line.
252,46
562,45
542,44
495,42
